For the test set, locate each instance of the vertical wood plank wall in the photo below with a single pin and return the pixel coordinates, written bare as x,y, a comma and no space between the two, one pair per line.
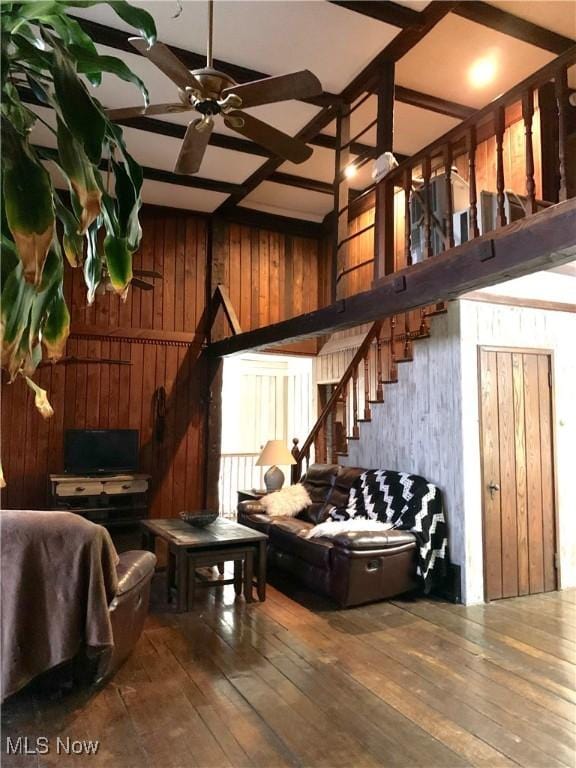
269,277
151,331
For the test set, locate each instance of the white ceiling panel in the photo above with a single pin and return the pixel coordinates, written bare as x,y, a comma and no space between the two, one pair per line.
271,37
557,15
320,166
415,128
440,63
289,201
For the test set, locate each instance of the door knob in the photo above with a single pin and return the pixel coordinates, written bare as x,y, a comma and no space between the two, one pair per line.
493,487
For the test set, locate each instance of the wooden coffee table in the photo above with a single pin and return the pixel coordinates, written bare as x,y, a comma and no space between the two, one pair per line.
190,548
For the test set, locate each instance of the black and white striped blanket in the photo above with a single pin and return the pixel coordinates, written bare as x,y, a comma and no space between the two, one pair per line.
408,502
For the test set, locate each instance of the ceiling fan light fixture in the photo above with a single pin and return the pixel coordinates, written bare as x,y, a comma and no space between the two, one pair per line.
211,92
350,171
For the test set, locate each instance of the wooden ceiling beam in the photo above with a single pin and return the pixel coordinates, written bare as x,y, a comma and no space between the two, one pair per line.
388,12
117,38
540,241
513,26
432,103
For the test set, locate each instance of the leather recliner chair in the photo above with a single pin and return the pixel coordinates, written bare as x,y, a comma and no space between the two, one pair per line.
351,568
129,608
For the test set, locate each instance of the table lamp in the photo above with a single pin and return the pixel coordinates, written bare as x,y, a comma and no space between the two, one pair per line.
275,452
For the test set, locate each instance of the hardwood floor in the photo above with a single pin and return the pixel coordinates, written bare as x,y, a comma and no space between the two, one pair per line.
285,683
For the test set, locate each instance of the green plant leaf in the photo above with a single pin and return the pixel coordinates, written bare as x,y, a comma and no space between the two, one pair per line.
16,303
57,327
136,17
81,177
51,281
92,263
80,112
119,263
72,240
28,203
90,63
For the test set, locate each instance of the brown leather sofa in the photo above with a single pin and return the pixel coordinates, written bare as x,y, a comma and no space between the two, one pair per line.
351,568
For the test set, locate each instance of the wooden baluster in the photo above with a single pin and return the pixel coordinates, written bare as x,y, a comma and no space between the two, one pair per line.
407,337
379,387
355,429
393,368
367,414
474,230
449,213
296,471
561,92
527,115
424,328
499,128
342,447
426,173
407,220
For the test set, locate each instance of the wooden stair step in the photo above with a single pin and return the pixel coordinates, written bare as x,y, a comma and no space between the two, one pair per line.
375,402
403,359
363,421
389,381
341,453
351,437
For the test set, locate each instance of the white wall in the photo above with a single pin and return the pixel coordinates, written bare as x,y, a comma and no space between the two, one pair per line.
418,427
429,422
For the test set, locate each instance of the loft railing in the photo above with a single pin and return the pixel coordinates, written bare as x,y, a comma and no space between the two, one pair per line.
455,153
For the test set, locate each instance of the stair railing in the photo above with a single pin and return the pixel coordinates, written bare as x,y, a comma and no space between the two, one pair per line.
388,343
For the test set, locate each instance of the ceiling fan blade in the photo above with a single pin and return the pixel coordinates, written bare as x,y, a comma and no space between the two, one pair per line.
123,113
160,55
298,85
136,283
277,142
194,145
147,273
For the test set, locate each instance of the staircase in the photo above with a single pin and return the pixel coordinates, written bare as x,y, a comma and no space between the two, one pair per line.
388,344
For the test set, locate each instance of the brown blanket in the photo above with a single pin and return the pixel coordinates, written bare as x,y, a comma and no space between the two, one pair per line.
58,577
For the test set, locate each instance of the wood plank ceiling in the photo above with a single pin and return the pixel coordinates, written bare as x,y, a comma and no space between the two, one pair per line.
339,41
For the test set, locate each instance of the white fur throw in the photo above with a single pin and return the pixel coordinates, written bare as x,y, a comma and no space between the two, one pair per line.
287,502
331,528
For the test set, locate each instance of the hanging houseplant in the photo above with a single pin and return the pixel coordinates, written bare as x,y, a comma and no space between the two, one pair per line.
93,226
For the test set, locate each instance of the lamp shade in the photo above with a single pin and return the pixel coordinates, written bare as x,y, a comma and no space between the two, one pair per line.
275,452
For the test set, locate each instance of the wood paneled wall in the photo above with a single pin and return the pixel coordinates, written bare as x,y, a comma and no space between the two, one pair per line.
269,277
154,340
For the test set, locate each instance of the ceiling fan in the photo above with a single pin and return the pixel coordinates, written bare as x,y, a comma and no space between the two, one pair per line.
211,93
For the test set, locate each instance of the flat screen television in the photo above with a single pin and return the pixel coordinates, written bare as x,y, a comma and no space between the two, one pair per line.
100,451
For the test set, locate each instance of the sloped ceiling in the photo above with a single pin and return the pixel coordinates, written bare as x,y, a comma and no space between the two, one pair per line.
336,44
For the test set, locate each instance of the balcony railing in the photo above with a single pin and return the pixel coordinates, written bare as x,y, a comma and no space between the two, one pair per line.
426,181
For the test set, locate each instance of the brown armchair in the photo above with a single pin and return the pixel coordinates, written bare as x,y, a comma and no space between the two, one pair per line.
68,599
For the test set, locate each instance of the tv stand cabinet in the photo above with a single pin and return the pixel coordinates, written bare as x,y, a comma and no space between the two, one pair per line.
110,500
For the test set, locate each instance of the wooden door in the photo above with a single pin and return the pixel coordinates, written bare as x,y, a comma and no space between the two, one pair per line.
517,472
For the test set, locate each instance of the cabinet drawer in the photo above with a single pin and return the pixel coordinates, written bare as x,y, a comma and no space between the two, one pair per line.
86,488
125,486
